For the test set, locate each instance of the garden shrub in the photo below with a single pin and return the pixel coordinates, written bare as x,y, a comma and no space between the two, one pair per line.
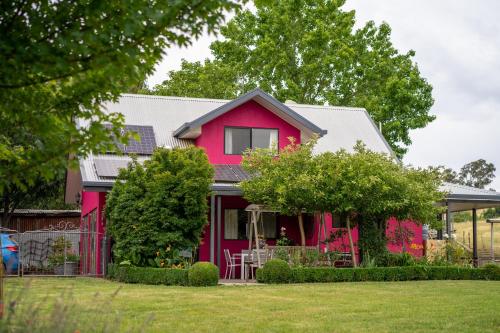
402,273
148,275
160,206
492,271
203,274
276,271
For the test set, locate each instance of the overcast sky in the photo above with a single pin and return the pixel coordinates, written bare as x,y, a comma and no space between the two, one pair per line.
457,46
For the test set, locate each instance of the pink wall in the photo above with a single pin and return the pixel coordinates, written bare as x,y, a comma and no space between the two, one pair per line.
414,246
94,201
250,114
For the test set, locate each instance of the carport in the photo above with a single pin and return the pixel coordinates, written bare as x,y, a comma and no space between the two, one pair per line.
465,198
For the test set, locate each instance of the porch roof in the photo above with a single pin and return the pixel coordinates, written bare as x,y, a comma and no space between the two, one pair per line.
462,198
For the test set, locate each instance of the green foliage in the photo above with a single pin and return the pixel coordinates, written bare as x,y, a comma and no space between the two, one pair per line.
148,275
368,187
62,60
456,254
371,188
275,271
389,259
210,79
477,173
490,213
460,217
61,252
405,273
203,274
311,52
285,184
169,258
159,205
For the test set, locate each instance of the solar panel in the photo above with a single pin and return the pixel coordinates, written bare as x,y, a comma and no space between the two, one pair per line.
109,168
229,173
147,142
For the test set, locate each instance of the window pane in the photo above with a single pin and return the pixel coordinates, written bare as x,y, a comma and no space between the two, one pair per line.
235,224
264,138
231,224
243,223
269,223
237,140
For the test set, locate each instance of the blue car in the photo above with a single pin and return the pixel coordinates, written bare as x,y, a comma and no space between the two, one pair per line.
10,254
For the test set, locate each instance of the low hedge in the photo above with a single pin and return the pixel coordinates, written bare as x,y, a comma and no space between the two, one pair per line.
405,273
148,275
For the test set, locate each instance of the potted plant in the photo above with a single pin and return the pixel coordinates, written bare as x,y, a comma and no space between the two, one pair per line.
63,258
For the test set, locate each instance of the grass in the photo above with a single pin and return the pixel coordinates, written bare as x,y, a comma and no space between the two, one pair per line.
463,231
420,306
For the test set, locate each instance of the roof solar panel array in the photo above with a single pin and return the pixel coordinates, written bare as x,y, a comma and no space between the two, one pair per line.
145,146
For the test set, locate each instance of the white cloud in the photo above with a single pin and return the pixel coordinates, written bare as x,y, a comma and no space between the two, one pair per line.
457,46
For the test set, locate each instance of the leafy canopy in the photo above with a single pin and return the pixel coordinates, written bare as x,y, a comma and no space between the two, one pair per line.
61,60
160,205
477,173
367,186
310,52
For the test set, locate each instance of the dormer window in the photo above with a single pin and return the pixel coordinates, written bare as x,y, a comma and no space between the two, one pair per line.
238,139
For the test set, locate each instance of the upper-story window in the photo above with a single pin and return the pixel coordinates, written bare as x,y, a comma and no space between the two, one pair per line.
238,139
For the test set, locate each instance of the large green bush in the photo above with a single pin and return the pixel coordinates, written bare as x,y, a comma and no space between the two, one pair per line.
148,275
203,274
161,205
275,271
404,273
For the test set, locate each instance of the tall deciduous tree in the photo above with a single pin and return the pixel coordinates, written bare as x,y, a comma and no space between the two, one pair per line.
62,59
310,52
161,204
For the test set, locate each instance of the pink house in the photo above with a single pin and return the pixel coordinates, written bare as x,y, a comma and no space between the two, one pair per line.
223,129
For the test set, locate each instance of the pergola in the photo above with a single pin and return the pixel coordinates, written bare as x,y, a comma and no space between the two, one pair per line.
256,215
464,198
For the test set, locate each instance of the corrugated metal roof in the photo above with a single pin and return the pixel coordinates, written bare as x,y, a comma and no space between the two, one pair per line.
462,190
344,126
229,173
44,212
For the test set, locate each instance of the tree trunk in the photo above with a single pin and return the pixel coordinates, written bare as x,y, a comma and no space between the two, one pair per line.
351,244
301,228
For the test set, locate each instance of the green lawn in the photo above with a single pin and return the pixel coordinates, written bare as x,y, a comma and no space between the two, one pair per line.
423,306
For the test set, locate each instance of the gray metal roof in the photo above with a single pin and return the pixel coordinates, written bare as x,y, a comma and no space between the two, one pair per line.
342,126
45,212
461,197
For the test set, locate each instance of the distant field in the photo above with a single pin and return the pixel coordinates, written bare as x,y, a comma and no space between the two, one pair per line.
464,233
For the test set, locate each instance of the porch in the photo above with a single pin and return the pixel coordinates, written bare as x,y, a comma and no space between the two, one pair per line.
229,229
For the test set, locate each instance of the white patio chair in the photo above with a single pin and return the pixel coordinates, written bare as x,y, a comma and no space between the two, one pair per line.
263,254
230,264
